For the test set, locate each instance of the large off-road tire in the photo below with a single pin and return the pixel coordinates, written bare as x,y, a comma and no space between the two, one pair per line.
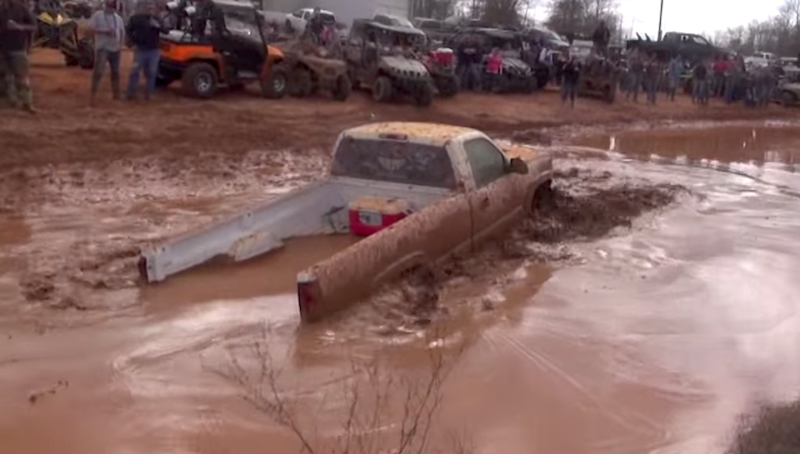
529,85
424,96
276,85
789,99
542,78
302,85
610,93
447,86
382,90
200,80
163,81
86,53
342,88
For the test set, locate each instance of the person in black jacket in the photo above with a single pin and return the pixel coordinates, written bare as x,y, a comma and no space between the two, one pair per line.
144,31
17,26
569,85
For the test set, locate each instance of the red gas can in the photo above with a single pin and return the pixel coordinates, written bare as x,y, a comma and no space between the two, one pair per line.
372,214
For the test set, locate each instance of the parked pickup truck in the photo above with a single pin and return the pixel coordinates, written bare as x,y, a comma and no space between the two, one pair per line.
416,192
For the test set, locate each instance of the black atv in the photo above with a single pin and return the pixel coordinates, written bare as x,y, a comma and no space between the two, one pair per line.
381,57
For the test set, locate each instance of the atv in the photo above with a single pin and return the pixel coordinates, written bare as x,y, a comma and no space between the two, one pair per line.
239,56
599,78
380,57
312,69
56,30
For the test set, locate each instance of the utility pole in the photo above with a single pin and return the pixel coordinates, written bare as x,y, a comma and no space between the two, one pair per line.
660,16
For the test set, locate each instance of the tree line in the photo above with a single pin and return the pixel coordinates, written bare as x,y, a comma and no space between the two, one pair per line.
779,34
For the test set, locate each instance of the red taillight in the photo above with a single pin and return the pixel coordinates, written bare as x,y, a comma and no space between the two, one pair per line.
306,295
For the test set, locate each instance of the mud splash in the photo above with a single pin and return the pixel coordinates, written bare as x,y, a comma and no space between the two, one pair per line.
584,205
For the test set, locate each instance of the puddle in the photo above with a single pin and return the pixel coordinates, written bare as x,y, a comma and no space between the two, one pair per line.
654,305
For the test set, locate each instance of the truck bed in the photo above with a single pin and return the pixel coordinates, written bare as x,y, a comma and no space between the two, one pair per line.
315,209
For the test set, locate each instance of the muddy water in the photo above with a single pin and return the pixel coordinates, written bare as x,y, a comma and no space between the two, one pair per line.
649,339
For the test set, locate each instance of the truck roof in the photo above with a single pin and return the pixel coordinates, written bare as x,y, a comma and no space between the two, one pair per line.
434,133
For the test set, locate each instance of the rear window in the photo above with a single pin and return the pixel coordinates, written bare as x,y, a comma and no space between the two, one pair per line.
328,18
395,162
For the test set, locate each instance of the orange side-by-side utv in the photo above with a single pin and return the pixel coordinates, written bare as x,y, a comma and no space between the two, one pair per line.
239,56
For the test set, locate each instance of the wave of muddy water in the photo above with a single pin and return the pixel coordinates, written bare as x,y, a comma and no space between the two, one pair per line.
651,338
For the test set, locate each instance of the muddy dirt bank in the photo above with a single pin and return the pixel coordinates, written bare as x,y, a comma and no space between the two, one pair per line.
67,130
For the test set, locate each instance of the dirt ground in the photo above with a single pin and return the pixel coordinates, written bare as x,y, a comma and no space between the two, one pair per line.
68,130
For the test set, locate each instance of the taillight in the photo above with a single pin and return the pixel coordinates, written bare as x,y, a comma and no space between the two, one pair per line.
306,295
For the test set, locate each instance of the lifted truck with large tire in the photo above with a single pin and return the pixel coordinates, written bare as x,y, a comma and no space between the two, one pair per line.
414,194
374,61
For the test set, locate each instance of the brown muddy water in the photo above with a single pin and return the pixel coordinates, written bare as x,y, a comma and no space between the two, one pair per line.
653,305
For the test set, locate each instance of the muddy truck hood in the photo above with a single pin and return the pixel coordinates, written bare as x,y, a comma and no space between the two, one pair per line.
404,67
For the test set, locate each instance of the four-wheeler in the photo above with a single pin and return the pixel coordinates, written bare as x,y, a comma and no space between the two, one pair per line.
413,193
206,63
382,58
599,78
56,30
788,91
310,70
516,75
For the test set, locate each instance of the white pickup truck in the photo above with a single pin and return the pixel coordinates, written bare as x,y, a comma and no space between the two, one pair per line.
416,192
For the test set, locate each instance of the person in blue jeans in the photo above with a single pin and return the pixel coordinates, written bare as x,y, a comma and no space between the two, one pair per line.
674,71
144,30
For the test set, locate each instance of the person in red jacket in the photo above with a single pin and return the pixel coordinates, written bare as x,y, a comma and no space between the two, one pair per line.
494,67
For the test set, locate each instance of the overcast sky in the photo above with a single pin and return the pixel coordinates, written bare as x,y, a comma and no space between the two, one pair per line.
690,16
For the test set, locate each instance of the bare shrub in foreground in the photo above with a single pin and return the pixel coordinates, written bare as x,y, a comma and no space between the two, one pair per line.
774,429
367,396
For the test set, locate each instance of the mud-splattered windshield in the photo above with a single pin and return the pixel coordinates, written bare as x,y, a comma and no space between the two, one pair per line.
394,161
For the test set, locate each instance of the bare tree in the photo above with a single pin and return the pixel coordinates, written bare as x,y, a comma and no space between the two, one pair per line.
779,34
581,17
367,396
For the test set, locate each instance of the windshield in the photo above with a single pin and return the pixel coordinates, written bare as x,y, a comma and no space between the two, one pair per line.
394,162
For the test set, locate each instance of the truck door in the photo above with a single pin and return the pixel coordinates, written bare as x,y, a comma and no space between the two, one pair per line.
497,193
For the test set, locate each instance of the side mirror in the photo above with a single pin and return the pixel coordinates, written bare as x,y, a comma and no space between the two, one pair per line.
517,165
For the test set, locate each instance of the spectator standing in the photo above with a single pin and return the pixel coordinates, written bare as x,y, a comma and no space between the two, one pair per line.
674,71
733,79
700,83
601,38
652,78
569,84
494,67
109,31
635,75
17,25
144,31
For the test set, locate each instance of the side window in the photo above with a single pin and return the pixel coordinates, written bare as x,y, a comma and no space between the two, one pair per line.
306,15
487,162
298,13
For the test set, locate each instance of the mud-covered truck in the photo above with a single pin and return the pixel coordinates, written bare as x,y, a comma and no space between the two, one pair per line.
688,46
415,192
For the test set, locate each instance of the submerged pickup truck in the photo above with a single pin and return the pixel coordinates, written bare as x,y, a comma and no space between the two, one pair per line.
415,192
